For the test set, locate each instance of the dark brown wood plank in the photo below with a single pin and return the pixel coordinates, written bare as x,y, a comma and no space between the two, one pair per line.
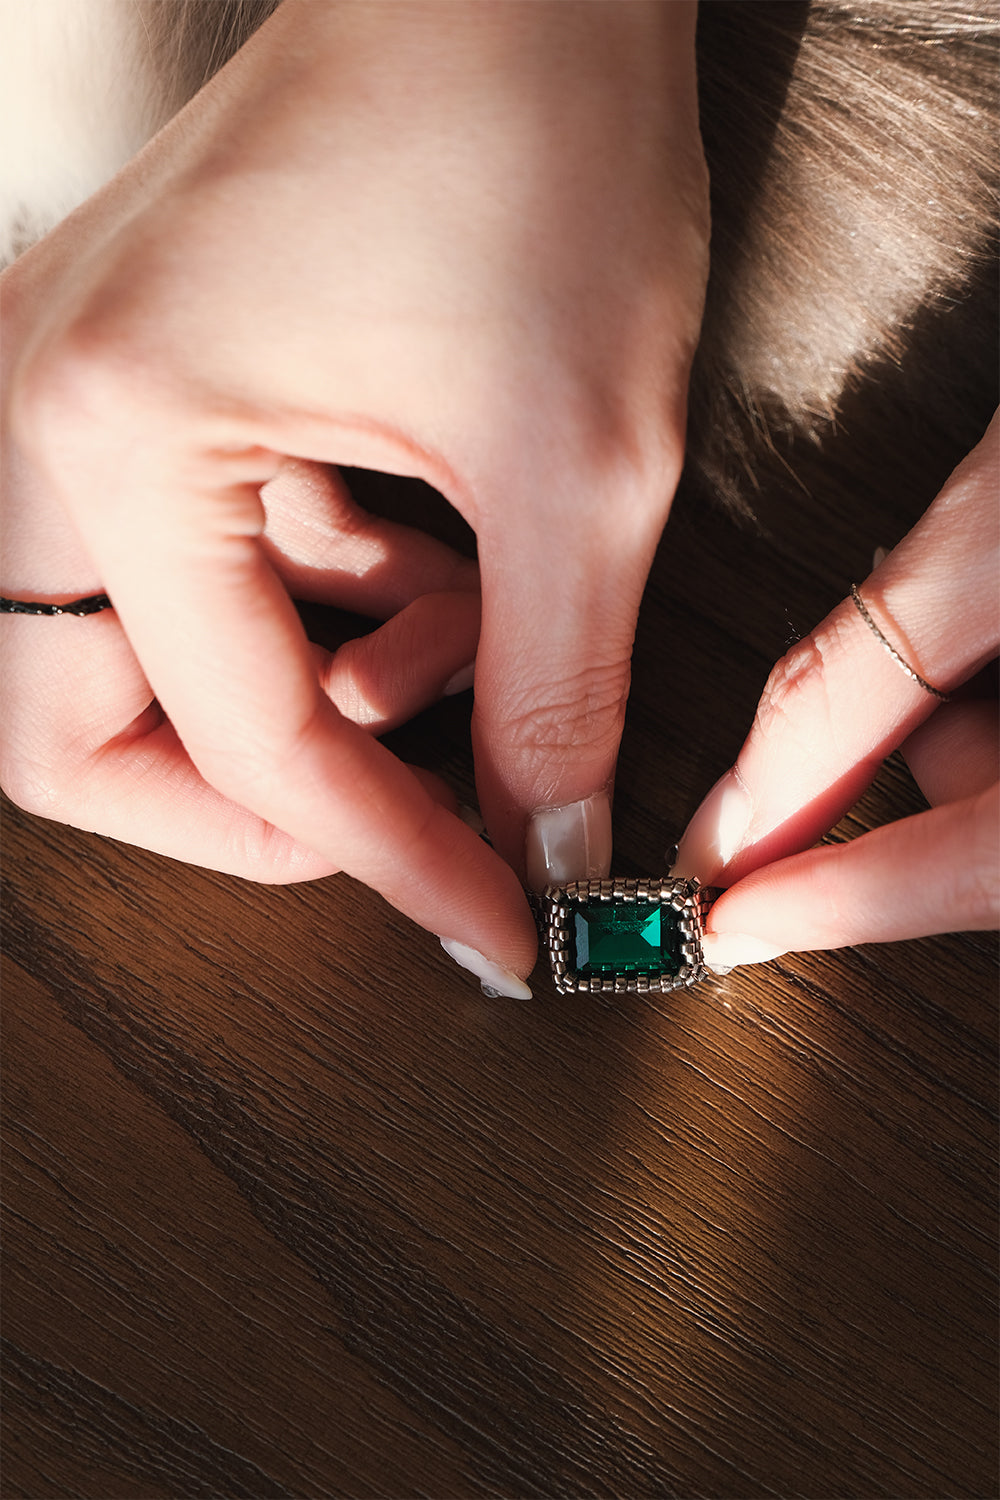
319,1228
135,1270
291,1210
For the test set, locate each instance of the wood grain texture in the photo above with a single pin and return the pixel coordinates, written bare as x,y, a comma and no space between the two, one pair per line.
293,1211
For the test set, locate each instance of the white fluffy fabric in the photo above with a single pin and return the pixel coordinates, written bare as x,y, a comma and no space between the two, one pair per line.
78,97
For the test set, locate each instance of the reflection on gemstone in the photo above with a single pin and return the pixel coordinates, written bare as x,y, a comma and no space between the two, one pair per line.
625,937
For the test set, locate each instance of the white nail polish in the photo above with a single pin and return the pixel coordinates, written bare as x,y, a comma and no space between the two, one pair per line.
727,950
879,556
461,682
569,843
494,977
717,831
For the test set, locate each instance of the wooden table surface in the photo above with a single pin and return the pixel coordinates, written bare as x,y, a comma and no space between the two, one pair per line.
294,1211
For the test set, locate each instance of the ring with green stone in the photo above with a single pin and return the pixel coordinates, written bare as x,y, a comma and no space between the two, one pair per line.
624,936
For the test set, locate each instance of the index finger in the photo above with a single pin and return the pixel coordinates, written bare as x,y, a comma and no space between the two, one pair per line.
177,538
839,703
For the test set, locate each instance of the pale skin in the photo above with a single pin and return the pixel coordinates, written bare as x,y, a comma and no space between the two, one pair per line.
832,710
464,242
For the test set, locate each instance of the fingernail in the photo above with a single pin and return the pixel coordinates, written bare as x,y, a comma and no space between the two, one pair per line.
727,950
716,832
495,979
879,556
461,682
569,843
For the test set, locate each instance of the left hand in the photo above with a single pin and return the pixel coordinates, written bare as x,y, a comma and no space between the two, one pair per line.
831,711
462,242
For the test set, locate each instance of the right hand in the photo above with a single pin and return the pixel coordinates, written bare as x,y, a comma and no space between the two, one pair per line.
831,711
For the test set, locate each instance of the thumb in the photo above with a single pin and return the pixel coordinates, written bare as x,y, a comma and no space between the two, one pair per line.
934,872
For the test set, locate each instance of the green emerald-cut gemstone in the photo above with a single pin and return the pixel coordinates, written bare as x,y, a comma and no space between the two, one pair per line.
625,937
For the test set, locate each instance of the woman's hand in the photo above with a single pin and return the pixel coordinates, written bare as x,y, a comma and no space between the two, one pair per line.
832,710
463,242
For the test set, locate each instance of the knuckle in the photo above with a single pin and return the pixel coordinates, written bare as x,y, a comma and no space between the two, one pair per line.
72,386
244,770
582,713
272,856
794,690
249,766
784,686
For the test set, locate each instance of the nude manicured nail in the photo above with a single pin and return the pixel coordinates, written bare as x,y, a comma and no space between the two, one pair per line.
717,831
495,979
727,950
461,682
569,843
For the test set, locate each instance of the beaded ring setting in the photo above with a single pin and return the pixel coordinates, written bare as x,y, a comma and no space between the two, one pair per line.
624,935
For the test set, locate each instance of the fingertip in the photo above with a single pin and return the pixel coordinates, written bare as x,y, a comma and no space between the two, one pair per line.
725,951
934,872
495,979
716,833
488,917
461,681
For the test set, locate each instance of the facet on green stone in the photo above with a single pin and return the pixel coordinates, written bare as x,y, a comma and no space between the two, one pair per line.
625,937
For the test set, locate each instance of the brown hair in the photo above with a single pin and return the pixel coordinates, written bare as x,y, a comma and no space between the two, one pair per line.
852,151
190,40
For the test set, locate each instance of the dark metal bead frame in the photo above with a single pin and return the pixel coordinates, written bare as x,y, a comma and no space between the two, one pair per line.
689,898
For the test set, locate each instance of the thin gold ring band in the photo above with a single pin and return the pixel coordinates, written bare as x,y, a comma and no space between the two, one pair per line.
900,661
